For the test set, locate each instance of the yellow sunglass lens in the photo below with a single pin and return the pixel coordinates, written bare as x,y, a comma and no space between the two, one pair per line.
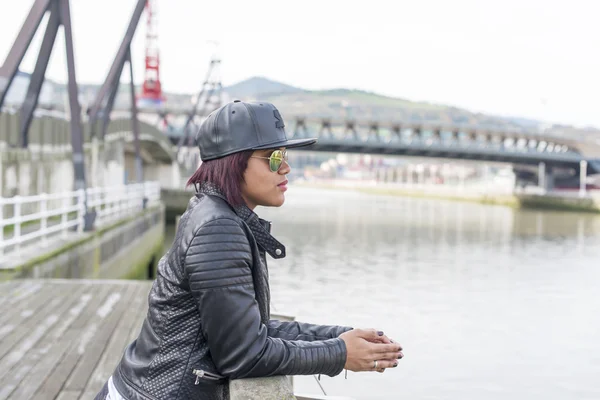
275,160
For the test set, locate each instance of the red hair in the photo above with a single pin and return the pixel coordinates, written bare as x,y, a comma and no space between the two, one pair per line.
226,173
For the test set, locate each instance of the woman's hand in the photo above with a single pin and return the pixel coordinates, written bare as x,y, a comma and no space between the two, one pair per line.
370,350
381,338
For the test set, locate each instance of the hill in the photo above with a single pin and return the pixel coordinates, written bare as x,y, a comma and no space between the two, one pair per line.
291,100
259,87
361,105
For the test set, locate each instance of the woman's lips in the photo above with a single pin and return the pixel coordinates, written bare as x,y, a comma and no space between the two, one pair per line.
283,185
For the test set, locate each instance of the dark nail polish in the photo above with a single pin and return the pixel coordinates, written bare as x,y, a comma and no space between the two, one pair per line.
380,333
395,365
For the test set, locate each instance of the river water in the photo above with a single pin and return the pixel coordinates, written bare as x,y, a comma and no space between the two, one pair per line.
488,302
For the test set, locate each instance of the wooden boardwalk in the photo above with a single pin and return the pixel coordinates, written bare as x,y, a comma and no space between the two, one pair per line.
61,339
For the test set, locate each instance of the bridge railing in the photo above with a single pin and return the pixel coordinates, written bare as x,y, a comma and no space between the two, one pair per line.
27,220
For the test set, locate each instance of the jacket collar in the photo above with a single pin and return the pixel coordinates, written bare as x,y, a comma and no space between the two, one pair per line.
261,229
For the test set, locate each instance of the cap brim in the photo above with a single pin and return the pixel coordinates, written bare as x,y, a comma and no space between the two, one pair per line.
290,143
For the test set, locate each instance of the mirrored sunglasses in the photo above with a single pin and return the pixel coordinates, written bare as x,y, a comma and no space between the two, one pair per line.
276,159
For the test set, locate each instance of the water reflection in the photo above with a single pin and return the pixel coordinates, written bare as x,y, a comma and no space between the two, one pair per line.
489,302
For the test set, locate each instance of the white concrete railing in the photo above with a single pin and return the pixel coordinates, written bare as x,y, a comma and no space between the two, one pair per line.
43,216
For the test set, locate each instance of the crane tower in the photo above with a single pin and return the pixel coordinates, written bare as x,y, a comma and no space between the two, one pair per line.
152,95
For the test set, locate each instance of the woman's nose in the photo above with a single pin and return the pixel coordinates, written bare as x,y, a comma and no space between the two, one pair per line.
285,168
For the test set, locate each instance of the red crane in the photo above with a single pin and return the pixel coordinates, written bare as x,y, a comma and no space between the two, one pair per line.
152,94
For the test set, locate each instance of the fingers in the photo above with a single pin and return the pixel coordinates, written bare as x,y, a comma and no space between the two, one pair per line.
370,334
387,348
392,341
384,364
381,364
398,344
380,338
375,336
376,352
396,355
387,356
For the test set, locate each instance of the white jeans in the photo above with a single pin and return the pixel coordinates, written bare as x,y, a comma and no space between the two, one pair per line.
112,391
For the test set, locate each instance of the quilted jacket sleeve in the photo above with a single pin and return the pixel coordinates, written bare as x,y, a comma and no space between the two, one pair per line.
302,331
217,263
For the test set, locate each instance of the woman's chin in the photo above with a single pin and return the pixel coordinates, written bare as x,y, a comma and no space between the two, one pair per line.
276,201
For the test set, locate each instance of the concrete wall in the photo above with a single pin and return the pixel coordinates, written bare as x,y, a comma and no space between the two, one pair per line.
269,388
27,172
127,249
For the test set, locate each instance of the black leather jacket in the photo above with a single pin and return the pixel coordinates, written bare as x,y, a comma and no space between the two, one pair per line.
208,319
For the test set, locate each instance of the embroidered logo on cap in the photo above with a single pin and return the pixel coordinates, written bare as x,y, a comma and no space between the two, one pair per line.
279,123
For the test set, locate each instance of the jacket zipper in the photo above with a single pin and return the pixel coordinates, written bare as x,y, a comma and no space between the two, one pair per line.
200,373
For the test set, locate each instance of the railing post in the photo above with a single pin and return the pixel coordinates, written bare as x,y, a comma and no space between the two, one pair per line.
145,190
91,200
44,217
115,201
130,198
80,209
17,218
119,199
102,205
89,214
119,193
133,200
109,193
65,214
125,200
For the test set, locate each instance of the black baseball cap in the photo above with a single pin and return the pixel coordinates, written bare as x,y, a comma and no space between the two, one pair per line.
239,126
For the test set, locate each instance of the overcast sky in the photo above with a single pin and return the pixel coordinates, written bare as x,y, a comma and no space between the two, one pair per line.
529,58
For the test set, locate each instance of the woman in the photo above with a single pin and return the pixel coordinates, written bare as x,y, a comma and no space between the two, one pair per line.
208,319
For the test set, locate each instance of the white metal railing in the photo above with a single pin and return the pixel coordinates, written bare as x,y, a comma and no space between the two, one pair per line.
39,217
